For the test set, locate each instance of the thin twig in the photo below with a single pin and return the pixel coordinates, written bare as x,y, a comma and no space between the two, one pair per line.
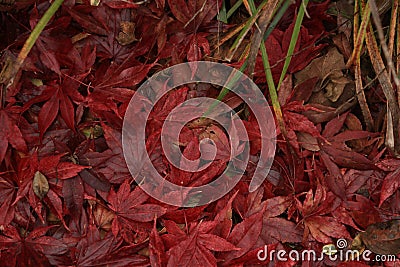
196,14
362,101
249,23
378,24
398,47
359,38
384,80
393,25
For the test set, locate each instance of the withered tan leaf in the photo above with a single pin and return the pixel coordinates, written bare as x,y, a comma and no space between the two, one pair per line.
127,34
328,69
40,185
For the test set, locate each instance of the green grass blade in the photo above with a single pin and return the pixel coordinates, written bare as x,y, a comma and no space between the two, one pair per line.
234,8
293,41
222,16
282,10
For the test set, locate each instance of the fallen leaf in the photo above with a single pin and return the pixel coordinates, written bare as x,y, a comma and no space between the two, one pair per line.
127,34
322,228
280,230
10,134
195,247
40,185
323,66
328,69
383,238
390,185
157,249
131,213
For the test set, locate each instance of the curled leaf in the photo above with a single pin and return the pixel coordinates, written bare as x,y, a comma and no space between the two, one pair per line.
127,34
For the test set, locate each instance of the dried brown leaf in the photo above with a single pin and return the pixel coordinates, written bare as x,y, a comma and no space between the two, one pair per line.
40,185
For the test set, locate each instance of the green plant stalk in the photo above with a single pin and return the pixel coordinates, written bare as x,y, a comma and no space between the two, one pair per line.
222,13
233,9
293,41
11,68
37,31
277,18
253,7
274,22
272,90
267,68
224,91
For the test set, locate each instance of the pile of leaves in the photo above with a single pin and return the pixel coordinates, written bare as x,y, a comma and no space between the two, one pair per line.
68,199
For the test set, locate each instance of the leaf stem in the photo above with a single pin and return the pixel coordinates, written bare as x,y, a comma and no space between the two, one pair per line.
10,70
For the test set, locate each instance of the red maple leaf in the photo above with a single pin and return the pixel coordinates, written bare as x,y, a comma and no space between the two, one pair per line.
23,248
110,163
57,98
7,195
390,185
188,33
9,132
194,248
334,152
113,85
132,216
92,250
244,236
53,170
316,209
157,248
